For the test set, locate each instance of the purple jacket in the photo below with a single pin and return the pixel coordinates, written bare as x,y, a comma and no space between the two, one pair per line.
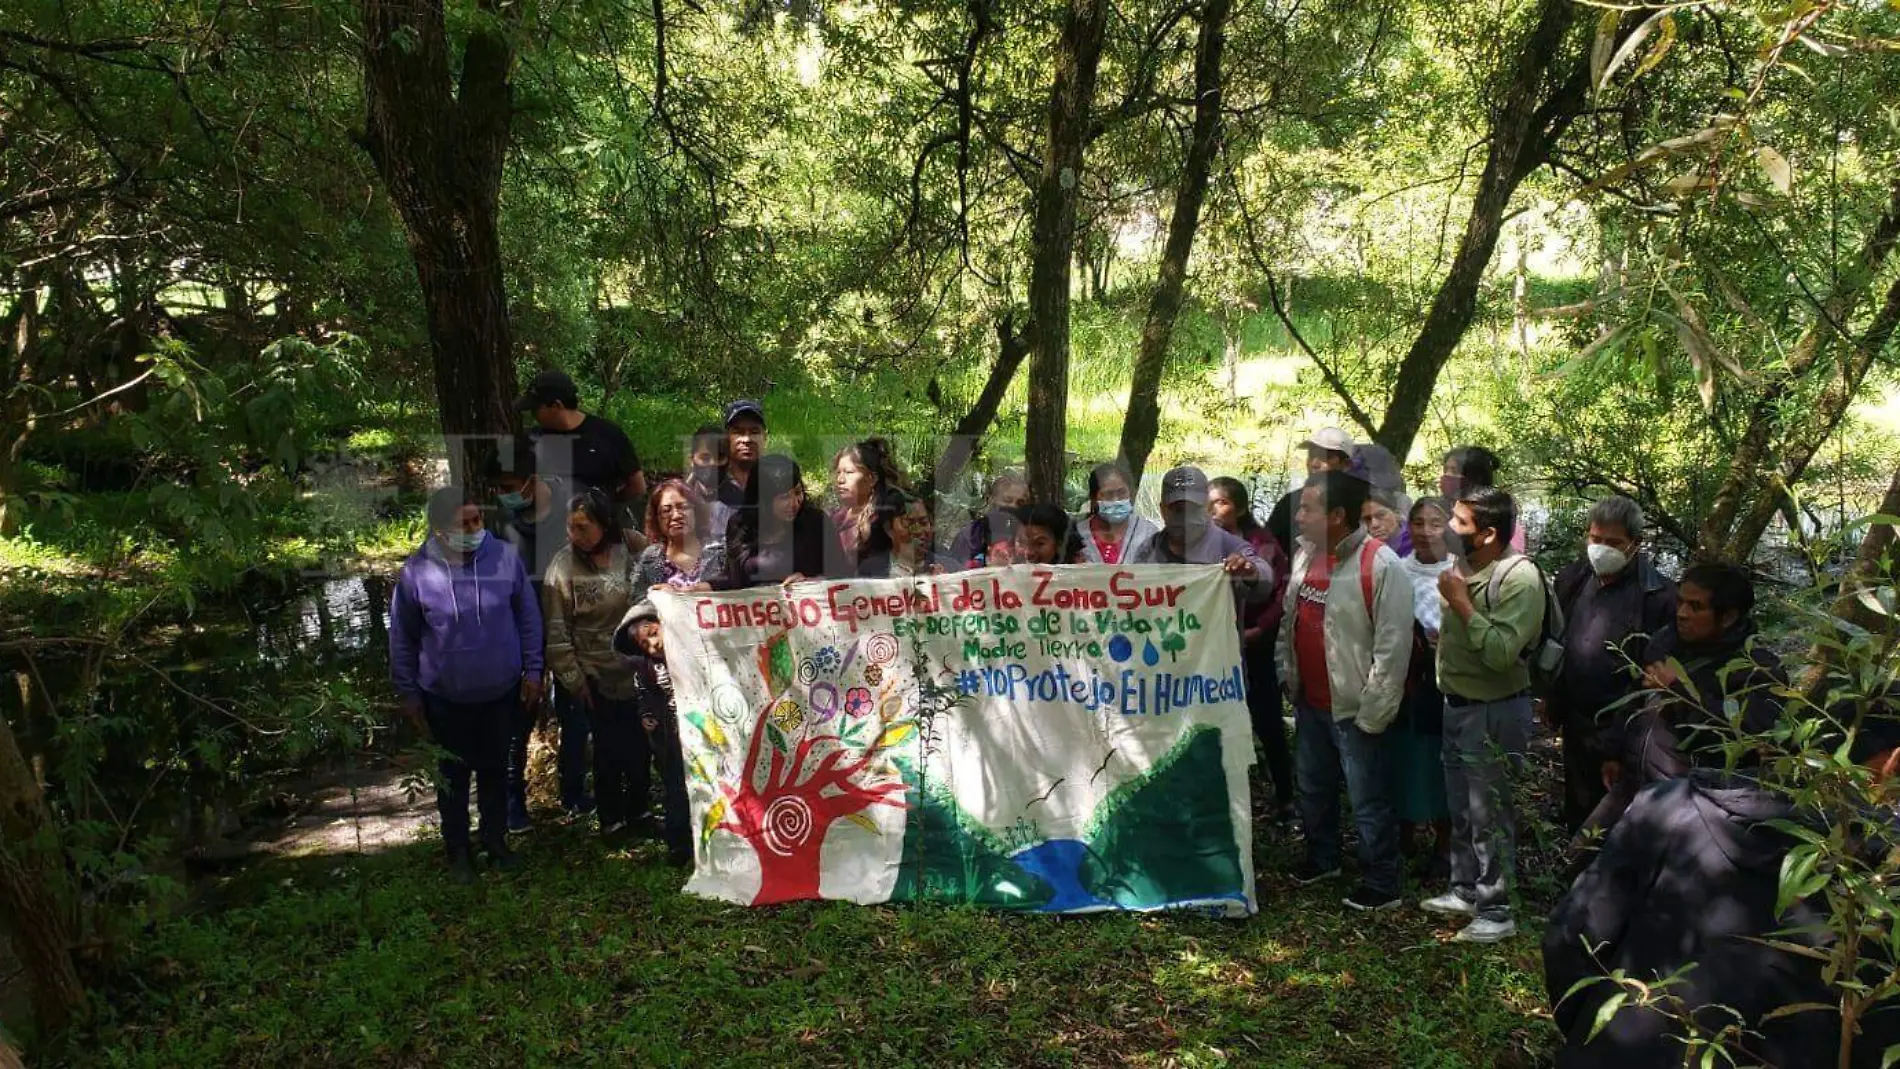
466,632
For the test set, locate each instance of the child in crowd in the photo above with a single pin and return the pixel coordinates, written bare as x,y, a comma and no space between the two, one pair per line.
641,641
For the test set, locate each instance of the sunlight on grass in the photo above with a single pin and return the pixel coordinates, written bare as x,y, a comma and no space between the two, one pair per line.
371,440
26,556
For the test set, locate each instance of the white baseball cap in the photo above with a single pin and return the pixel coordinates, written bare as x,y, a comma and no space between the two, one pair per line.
1331,439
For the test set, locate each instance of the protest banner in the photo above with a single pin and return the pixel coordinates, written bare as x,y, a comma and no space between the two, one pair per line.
1064,739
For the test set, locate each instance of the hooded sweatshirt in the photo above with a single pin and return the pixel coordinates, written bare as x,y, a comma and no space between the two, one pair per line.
1690,877
464,632
1134,544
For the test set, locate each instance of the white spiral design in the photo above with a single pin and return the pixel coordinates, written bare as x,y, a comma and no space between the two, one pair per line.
787,825
881,648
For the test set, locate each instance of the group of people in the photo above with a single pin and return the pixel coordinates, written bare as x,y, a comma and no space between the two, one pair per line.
1414,640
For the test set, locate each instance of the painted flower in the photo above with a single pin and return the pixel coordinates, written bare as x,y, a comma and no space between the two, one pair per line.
787,715
873,674
857,702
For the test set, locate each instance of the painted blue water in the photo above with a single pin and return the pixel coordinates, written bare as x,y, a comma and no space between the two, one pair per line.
1058,862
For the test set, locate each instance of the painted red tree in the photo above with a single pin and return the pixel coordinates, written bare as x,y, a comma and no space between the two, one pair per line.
789,793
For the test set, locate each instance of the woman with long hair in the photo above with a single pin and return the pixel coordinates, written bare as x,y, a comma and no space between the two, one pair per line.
589,587
903,537
858,473
1230,507
1046,535
1111,532
779,536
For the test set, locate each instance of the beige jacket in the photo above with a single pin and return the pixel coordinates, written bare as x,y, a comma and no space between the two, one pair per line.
1368,647
580,607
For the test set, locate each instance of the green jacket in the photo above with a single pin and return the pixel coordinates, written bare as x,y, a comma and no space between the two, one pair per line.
1481,660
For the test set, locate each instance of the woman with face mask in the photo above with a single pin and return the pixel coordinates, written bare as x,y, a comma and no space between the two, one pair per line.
1467,468
778,536
590,586
465,656
705,463
1111,532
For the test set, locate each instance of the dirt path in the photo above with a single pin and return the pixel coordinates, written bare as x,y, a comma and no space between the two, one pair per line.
363,810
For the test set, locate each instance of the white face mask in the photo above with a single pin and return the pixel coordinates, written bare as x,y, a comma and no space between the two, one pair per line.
1607,560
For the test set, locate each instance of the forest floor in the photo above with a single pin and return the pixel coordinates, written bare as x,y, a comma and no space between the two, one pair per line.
346,948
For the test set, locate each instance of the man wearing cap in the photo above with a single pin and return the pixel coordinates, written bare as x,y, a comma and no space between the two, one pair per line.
1189,537
1328,450
584,451
745,444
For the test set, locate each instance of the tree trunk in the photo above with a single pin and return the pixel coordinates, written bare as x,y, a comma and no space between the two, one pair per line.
969,431
1521,297
1749,468
1521,136
19,330
1230,338
1818,423
32,881
1070,99
439,149
1876,561
1143,424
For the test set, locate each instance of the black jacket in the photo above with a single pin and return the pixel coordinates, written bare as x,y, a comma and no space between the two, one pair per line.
1690,876
1639,607
1691,719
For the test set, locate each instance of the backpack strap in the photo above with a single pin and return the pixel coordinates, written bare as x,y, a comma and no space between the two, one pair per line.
1368,551
1496,584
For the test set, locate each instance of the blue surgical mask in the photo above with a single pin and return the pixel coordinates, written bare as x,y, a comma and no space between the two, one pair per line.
1115,511
463,541
513,502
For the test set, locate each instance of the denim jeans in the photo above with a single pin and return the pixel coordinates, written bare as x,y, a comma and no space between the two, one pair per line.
623,762
476,736
1323,748
576,725
1484,746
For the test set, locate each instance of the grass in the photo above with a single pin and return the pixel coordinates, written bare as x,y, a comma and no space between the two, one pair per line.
588,958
